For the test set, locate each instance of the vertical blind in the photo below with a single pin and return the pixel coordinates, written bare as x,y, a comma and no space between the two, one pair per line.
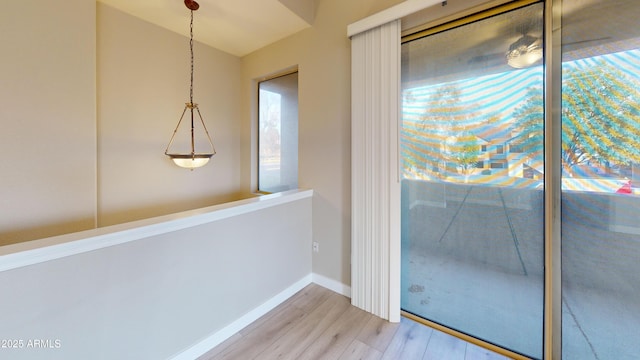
375,244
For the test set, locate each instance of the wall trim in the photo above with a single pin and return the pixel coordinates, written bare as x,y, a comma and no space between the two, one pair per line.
38,251
228,331
331,284
220,336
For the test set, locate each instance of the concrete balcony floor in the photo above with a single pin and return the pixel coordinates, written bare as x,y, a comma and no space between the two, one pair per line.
472,260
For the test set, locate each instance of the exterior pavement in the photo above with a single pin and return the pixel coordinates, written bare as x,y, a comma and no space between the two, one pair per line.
473,258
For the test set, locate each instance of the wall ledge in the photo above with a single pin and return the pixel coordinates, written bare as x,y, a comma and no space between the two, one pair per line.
56,247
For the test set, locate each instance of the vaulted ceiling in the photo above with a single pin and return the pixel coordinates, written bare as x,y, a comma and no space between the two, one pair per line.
237,27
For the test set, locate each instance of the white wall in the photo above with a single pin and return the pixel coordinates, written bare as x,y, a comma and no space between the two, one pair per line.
47,116
161,295
323,56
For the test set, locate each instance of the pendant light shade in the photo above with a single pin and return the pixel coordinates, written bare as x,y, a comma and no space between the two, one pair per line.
189,161
192,159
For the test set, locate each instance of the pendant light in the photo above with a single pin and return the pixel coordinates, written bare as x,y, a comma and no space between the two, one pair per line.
192,159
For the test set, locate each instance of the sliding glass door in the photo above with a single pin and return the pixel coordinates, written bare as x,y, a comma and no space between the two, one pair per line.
476,130
472,189
600,180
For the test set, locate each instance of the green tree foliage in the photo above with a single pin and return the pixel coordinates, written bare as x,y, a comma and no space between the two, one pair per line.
600,118
463,150
529,126
446,124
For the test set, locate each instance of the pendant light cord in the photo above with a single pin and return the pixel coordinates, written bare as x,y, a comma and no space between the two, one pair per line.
202,158
191,50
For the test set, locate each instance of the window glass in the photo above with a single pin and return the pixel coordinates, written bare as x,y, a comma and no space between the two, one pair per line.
600,179
278,134
473,234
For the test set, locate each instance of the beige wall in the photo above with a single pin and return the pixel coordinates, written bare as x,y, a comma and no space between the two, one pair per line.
142,75
81,152
47,118
143,83
322,53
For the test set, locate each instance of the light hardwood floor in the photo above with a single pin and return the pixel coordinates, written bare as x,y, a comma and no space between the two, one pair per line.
317,323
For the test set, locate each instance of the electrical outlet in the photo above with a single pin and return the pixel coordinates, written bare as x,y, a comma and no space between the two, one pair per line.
316,246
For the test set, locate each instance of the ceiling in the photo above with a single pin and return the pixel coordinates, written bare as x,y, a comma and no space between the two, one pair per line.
240,27
589,28
237,27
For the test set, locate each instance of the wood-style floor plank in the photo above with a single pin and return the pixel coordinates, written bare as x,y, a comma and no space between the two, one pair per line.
475,352
307,331
260,338
266,318
444,346
377,333
335,339
310,297
317,323
410,342
358,350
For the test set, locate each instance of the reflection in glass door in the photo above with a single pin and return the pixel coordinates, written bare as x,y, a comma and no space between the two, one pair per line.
600,180
472,188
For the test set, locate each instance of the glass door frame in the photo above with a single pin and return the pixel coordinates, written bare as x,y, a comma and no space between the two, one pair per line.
552,307
552,327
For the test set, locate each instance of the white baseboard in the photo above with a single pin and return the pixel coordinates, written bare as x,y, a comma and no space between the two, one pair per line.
331,284
217,338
